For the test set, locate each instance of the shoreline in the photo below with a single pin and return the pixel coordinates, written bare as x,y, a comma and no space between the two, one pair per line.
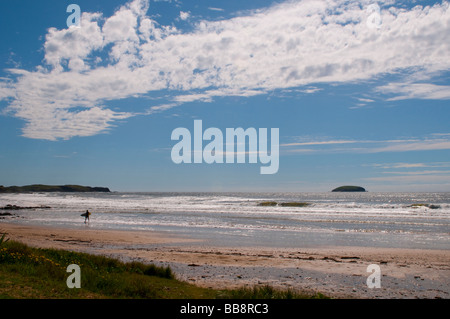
339,272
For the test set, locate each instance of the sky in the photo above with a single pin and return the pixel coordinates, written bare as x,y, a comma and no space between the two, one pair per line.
359,91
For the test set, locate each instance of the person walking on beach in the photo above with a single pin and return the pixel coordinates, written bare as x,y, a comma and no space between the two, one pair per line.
86,216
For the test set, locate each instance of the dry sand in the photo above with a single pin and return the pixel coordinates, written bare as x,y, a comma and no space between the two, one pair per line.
339,272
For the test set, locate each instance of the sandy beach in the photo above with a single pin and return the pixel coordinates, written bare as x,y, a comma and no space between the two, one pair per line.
339,272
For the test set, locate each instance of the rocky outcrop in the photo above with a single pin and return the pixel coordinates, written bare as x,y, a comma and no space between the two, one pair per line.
349,189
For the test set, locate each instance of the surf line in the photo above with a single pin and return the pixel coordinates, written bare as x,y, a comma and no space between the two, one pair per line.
236,149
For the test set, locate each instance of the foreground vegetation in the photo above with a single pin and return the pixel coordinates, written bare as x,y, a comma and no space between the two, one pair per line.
27,272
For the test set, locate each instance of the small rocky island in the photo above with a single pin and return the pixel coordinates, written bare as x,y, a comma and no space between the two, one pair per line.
349,189
38,188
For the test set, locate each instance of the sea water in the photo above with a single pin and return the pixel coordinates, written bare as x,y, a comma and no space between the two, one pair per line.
236,219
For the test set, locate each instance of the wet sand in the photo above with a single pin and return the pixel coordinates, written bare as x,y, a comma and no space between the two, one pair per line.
339,272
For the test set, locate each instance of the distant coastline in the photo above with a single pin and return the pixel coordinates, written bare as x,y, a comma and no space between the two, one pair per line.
38,188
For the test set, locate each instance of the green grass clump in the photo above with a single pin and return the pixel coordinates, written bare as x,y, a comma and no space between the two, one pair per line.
3,239
431,206
28,273
295,204
268,204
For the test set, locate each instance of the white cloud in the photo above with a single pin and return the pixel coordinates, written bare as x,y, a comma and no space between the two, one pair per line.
370,146
412,179
411,165
366,100
6,89
73,44
320,143
293,44
406,145
160,108
426,91
419,173
184,15
215,9
410,173
62,124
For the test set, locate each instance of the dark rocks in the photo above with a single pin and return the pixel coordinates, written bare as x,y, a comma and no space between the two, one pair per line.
6,214
430,206
288,204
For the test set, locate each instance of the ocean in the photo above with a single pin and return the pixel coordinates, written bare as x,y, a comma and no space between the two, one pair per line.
236,219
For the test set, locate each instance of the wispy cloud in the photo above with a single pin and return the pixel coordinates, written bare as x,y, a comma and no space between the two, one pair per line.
424,91
366,100
437,172
405,146
288,45
66,155
320,143
215,9
411,165
430,143
413,178
418,176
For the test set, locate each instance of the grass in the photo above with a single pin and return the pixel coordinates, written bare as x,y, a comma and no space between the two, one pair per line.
288,204
295,204
268,204
431,206
3,239
29,273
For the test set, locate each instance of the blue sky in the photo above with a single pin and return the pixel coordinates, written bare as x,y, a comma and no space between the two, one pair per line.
358,101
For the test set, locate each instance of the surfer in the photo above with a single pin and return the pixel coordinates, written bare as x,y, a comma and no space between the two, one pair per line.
86,216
